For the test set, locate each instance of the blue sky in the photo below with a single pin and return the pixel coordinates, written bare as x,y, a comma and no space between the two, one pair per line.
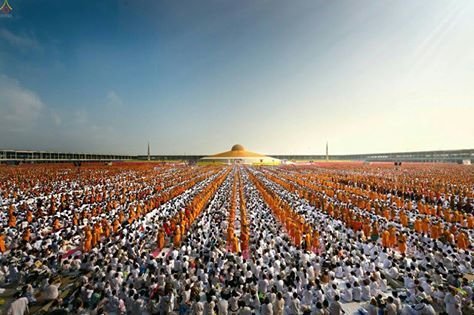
277,76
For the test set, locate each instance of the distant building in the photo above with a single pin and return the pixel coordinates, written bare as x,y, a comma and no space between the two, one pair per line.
238,155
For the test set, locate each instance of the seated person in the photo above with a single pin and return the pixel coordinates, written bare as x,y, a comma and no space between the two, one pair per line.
346,294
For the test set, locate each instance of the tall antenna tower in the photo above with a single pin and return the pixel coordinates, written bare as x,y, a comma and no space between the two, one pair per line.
149,151
327,151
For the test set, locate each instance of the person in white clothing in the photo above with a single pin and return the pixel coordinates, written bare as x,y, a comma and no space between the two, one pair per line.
19,307
453,303
346,294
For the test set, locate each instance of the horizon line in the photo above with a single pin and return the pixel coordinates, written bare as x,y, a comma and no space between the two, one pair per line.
280,154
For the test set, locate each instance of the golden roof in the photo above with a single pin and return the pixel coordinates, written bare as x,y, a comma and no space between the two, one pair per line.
237,151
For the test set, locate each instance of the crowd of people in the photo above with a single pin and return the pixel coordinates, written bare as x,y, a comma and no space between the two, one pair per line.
142,239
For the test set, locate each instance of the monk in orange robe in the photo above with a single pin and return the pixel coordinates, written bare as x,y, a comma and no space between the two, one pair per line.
366,229
425,225
52,209
297,237
307,241
56,225
106,228
449,237
160,239
470,221
417,225
435,231
131,216
385,238
462,240
392,239
421,207
244,240
75,219
186,223
315,241
87,246
12,220
98,230
27,235
177,238
116,225
402,244
447,215
235,244
403,218
139,211
3,247
29,216
457,216
230,235
94,237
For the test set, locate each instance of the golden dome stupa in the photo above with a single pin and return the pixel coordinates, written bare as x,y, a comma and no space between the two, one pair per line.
238,154
237,147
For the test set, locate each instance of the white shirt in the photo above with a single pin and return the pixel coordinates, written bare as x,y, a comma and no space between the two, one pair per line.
266,309
222,307
51,292
453,304
365,293
19,307
346,295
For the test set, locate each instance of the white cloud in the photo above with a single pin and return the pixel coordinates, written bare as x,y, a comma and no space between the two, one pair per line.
19,107
19,41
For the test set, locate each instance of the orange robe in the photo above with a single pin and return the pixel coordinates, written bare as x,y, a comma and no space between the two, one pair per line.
161,240
315,240
12,221
307,240
402,244
98,231
297,237
385,239
462,241
75,220
56,225
235,244
3,247
470,221
244,241
116,226
106,229
87,241
417,226
177,238
403,219
27,235
425,225
366,229
392,237
29,216
121,217
435,231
